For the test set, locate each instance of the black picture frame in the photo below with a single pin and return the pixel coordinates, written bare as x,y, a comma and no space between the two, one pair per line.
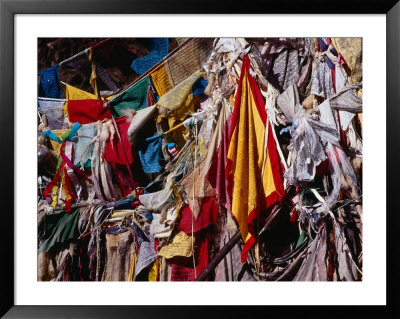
8,8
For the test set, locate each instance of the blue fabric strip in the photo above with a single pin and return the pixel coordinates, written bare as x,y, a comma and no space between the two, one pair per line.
71,134
74,131
150,154
158,49
199,86
52,136
324,47
49,85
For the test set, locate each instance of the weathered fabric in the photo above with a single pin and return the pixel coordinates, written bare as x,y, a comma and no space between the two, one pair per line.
140,118
101,170
163,223
314,266
347,269
84,144
324,47
342,172
307,151
351,50
347,100
196,185
106,78
46,271
165,270
321,80
173,101
273,48
181,245
231,267
54,111
157,200
147,255
286,68
188,59
120,249
289,102
216,173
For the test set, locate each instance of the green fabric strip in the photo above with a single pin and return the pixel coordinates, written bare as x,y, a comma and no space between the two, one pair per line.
133,98
59,229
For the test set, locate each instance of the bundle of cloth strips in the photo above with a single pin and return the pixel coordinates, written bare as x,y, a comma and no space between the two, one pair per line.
227,159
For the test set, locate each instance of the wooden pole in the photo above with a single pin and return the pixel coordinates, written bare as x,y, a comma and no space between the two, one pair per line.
219,256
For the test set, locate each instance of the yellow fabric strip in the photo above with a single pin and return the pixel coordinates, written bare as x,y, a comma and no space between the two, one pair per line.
181,245
121,212
179,96
161,80
57,146
67,195
132,266
154,271
65,108
93,75
176,104
351,49
55,197
73,93
246,151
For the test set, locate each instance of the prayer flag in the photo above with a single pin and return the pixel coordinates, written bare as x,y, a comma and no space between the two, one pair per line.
253,168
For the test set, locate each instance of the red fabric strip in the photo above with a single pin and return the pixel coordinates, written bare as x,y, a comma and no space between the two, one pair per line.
76,169
235,115
68,205
68,185
247,246
208,215
182,267
255,92
334,79
293,218
114,151
275,164
53,183
87,111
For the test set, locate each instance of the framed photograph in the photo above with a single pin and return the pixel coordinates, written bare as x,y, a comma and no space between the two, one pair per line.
238,156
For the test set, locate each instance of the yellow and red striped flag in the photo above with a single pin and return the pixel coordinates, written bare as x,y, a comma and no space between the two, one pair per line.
253,169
